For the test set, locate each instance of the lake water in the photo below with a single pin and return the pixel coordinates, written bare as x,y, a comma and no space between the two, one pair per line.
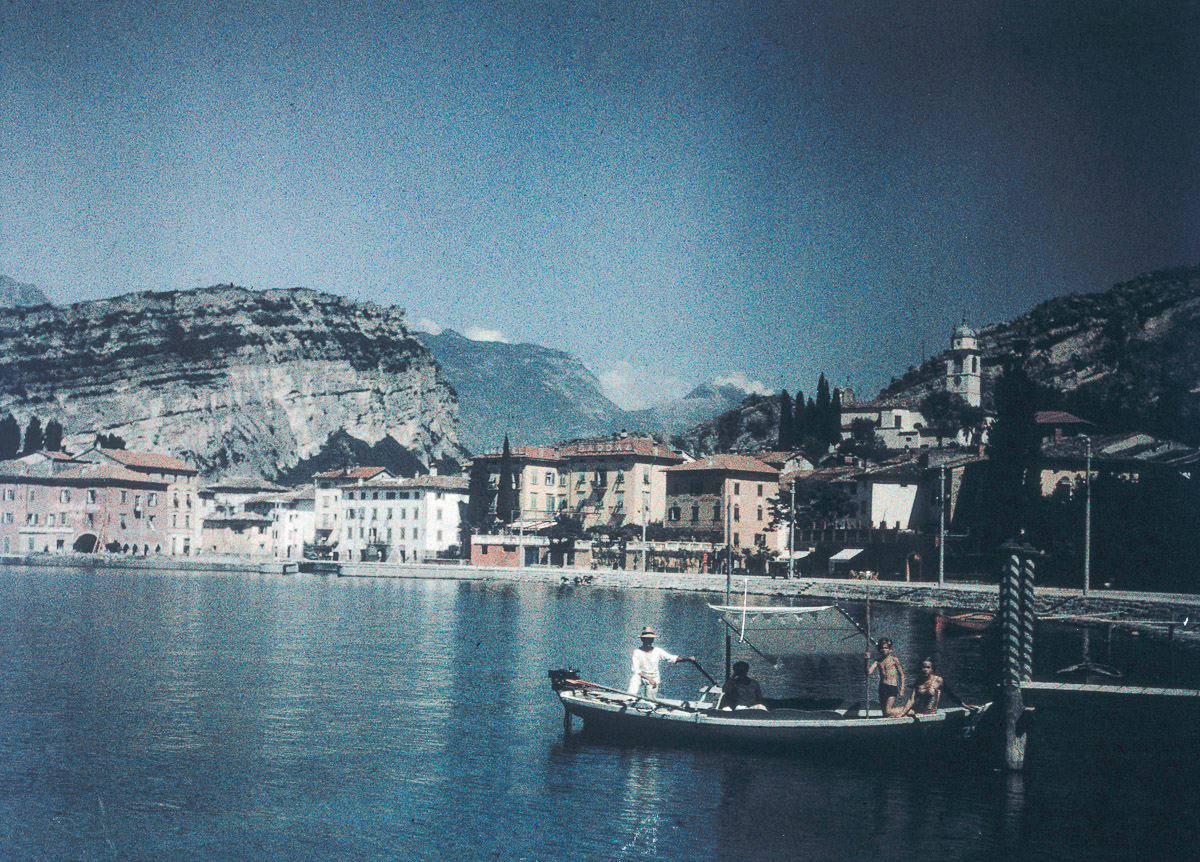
191,716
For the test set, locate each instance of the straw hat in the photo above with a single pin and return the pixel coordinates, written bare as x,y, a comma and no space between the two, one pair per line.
648,632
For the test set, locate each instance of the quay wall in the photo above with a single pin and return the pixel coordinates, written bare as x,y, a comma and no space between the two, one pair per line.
1052,601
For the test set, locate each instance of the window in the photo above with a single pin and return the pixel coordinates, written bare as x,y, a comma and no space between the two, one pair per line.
152,500
390,495
32,495
124,497
695,513
123,527
439,535
760,490
737,487
50,520
31,517
438,514
737,513
533,478
760,513
549,478
150,522
717,512
8,494
8,518
64,496
674,514
533,501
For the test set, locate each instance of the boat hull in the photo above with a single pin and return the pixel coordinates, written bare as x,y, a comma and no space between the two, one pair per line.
783,729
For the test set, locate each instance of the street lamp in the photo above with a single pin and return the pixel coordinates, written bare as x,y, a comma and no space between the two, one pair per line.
1087,518
792,534
942,526
645,550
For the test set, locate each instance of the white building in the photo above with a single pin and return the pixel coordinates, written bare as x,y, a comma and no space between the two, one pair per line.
328,497
293,521
400,520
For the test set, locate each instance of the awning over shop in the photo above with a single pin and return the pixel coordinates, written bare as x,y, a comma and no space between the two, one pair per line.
796,555
530,526
845,554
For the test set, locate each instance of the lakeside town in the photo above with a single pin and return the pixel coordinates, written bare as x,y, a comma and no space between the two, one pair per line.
889,499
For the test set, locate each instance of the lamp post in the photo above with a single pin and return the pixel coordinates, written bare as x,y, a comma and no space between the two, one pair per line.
942,526
1087,518
792,534
645,550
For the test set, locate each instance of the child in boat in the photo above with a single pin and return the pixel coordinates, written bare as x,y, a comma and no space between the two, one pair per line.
928,693
891,679
742,691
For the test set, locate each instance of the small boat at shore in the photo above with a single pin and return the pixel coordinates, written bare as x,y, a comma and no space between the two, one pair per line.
974,622
786,724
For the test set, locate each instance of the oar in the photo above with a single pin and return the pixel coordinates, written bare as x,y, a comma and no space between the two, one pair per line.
702,670
661,703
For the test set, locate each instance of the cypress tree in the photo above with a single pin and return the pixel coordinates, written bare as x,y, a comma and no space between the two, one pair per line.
835,416
785,420
799,422
54,432
1013,451
10,438
820,428
34,439
506,494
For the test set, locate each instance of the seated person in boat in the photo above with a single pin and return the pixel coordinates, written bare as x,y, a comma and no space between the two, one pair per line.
891,679
741,691
645,665
928,693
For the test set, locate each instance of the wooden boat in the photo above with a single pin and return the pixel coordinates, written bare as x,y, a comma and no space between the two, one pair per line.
793,723
973,622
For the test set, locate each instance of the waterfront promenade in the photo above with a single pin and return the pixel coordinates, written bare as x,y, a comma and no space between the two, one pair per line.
1052,601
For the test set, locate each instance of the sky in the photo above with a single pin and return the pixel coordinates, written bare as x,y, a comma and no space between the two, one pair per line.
674,192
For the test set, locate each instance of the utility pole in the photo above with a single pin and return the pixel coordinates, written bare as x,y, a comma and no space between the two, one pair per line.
792,534
942,526
1087,519
728,574
645,550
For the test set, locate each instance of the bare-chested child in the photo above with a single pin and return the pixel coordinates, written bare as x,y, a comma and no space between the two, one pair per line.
891,679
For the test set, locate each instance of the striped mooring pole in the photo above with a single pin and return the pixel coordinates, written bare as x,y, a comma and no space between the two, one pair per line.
1017,618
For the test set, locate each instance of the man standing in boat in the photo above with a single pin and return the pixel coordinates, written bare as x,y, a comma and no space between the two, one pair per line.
645,665
891,679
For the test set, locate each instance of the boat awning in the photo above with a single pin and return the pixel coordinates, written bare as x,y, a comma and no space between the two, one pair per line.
845,554
823,629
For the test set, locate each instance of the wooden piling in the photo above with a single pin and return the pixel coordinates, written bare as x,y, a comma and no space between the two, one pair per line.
1017,620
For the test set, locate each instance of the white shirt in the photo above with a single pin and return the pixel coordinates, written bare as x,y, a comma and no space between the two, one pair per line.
646,661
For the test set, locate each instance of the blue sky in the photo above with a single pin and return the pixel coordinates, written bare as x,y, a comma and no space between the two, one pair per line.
673,191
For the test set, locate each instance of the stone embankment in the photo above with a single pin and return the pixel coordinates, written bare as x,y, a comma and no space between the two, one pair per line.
1053,602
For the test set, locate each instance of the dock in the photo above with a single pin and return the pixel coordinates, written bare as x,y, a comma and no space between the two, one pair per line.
1112,690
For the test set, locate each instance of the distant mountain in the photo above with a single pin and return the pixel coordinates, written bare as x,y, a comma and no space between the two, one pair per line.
233,381
752,424
14,294
535,394
540,396
1127,358
679,414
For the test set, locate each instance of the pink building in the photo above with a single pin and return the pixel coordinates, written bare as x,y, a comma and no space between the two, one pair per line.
722,499
54,503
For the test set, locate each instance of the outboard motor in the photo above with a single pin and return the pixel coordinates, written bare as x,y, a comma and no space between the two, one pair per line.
563,678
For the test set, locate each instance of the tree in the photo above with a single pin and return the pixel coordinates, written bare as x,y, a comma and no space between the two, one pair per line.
506,493
785,421
10,438
947,414
817,501
833,430
1013,450
54,433
110,441
34,438
821,431
799,422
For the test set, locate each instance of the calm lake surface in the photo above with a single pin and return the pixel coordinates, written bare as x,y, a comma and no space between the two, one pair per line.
191,716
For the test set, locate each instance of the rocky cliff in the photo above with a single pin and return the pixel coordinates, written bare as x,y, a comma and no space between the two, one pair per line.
13,293
230,380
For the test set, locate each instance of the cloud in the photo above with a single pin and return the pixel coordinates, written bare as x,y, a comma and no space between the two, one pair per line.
634,388
424,324
739,380
478,333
